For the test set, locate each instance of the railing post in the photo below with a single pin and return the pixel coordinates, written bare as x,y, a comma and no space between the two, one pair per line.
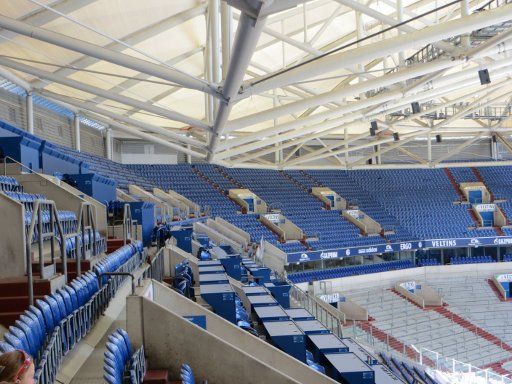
40,239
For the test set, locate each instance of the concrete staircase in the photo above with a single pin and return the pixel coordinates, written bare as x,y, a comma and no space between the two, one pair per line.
14,299
454,184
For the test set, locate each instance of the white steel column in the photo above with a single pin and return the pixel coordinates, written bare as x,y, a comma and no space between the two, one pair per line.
76,123
400,16
226,18
30,112
214,18
247,35
464,12
108,142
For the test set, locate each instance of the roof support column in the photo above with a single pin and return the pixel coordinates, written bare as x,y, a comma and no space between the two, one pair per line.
464,12
108,142
30,112
247,35
226,18
76,125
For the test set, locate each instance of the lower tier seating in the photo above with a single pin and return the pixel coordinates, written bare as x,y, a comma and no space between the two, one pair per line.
324,274
49,329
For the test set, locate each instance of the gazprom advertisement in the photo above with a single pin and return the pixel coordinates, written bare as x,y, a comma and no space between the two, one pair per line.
301,257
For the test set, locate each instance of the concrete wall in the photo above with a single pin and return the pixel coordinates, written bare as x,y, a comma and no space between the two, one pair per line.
63,198
222,229
233,228
101,209
173,255
227,354
12,238
352,310
274,258
500,287
387,280
219,238
365,222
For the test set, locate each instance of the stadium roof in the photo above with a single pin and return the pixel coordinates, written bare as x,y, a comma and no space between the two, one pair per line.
235,81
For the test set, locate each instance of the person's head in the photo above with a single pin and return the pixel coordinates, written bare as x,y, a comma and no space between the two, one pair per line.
16,367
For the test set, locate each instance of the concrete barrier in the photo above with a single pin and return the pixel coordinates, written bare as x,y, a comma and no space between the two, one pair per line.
223,230
352,310
227,354
274,258
219,238
173,255
233,228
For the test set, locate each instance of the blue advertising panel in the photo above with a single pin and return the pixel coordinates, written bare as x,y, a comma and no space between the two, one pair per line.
301,257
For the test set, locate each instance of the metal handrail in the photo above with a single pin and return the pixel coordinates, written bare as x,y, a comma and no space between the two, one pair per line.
323,311
127,223
119,274
54,220
86,210
16,162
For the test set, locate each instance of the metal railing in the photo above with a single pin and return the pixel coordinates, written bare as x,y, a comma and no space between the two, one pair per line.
156,270
329,316
37,219
127,223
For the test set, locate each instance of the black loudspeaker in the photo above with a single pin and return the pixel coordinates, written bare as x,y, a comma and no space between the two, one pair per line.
396,137
438,138
373,124
484,76
415,107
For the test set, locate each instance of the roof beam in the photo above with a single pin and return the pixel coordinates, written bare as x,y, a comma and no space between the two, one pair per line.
108,55
42,16
298,127
134,38
369,52
176,116
132,82
457,149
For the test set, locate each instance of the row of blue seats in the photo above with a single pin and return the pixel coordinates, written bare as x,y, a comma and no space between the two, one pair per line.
89,241
8,183
427,262
411,374
121,363
50,329
324,274
471,260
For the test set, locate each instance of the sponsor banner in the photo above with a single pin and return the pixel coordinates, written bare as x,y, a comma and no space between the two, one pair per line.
505,278
409,285
353,212
331,298
485,207
301,257
467,242
272,217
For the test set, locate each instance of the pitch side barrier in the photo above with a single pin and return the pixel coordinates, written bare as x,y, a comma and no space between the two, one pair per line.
302,257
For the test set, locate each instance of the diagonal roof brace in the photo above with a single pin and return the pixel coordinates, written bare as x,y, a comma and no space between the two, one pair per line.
108,55
263,8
